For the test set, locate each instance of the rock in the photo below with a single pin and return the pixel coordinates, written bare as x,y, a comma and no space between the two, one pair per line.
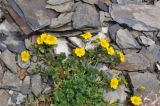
3,98
25,89
129,1
9,60
20,99
62,19
118,94
62,47
10,81
85,15
139,17
28,43
104,30
104,17
112,30
91,1
77,41
23,64
125,40
6,26
22,74
1,72
146,41
134,62
3,47
57,2
67,34
151,59
155,50
65,7
102,5
36,84
14,42
142,79
157,4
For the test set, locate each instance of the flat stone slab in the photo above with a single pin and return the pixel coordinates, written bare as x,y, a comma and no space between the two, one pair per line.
139,17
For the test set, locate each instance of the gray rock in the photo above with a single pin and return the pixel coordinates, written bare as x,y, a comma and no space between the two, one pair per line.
62,47
91,1
146,41
155,50
10,81
104,17
62,19
125,40
57,2
28,43
118,94
139,17
129,1
77,41
9,60
85,15
23,64
20,99
36,84
151,59
142,79
25,89
14,42
134,62
157,4
1,72
112,30
3,47
4,96
66,7
8,27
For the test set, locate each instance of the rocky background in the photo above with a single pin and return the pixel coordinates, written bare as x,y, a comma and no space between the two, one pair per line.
131,26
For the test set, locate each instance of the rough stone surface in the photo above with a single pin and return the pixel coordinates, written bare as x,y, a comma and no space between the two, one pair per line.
85,15
118,94
155,50
76,41
36,84
148,80
125,40
61,20
23,64
4,96
9,60
146,41
129,1
91,1
57,2
112,30
134,62
66,7
10,81
62,47
139,17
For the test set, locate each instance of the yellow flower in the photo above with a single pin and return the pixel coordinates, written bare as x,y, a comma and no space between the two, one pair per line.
110,51
136,100
112,101
142,88
44,37
79,52
104,43
121,55
39,41
114,83
51,40
25,56
87,35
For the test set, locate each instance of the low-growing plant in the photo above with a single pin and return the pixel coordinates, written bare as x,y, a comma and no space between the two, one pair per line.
77,81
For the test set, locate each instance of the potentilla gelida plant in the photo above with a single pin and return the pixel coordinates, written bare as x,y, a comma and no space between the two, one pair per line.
77,81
